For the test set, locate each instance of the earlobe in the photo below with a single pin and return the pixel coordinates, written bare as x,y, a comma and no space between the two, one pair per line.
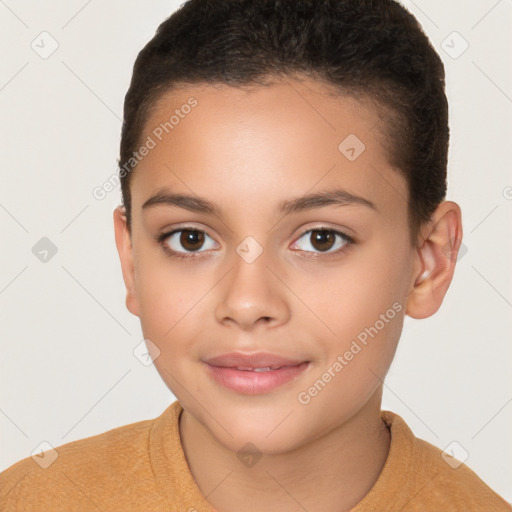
125,250
437,256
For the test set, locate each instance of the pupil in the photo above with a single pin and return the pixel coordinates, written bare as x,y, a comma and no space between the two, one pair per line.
322,240
193,238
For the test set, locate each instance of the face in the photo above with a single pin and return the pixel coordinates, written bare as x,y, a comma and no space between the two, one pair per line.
251,265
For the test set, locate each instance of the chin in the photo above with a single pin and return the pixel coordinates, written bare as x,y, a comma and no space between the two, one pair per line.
271,432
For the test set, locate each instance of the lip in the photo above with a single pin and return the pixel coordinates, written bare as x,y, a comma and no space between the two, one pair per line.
224,370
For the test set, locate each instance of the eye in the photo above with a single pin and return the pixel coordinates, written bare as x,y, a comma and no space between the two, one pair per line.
323,240
181,242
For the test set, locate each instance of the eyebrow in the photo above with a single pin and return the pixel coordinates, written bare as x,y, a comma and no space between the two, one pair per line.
337,197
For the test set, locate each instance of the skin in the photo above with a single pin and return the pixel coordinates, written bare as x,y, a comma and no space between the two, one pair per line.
247,150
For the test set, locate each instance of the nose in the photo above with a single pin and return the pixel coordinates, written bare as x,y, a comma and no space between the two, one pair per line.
252,295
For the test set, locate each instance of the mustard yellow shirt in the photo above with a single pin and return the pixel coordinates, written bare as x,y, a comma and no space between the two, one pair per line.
142,467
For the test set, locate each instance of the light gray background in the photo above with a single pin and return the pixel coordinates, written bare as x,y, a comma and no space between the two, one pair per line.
67,365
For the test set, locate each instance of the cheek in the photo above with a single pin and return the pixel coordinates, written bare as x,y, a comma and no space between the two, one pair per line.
356,359
362,304
353,296
167,301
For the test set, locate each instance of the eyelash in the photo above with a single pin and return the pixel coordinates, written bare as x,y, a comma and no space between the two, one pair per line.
318,255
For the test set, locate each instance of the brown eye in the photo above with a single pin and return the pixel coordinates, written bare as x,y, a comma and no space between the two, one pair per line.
191,240
322,240
185,241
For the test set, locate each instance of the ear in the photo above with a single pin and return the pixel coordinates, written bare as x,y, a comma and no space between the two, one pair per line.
125,250
437,251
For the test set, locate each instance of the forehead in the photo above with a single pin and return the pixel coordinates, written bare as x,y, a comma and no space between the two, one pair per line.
263,143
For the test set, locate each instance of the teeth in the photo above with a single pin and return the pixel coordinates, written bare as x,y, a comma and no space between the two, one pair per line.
265,369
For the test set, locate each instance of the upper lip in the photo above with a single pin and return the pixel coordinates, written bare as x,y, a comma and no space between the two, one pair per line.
257,360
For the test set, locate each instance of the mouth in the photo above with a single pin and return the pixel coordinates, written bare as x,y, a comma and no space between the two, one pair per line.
254,374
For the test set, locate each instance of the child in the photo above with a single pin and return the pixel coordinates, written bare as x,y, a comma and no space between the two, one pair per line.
283,172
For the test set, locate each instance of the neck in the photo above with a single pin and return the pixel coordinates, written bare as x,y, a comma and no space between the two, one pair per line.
331,473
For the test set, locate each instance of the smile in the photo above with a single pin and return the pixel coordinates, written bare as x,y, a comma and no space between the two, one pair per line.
253,374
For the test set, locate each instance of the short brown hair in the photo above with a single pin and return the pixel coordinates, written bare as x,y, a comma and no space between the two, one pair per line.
370,48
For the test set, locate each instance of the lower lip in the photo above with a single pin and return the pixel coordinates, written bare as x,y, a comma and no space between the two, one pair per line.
255,383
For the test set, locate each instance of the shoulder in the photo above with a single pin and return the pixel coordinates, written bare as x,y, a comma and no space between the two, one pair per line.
451,481
77,472
438,481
